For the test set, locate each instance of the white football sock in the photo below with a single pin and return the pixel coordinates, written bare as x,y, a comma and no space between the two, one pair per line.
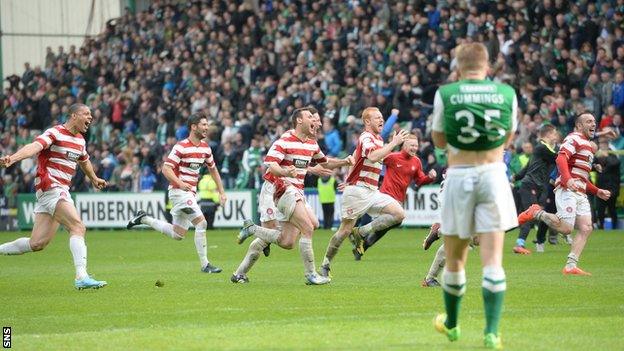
256,246
332,248
79,252
200,243
307,254
437,264
381,222
266,234
16,247
161,226
572,261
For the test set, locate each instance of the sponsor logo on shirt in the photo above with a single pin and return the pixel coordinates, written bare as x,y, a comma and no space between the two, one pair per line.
72,156
195,166
299,163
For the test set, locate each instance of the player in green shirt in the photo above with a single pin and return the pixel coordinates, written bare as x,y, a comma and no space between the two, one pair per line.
474,119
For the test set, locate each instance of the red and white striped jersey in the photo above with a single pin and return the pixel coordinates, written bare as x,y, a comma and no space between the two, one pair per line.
57,161
186,159
365,172
579,154
289,150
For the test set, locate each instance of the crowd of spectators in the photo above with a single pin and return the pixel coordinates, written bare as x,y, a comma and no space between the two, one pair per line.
248,64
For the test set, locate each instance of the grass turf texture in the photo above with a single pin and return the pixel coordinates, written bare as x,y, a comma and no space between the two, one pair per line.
370,305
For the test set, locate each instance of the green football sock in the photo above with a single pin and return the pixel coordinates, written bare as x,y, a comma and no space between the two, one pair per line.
454,287
493,288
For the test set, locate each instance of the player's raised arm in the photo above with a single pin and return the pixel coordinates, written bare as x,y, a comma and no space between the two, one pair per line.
396,140
387,128
25,152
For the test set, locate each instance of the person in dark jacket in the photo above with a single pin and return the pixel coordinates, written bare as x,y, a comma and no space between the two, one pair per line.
608,179
534,179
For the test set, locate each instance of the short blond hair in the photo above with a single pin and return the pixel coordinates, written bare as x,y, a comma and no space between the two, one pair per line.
366,114
471,57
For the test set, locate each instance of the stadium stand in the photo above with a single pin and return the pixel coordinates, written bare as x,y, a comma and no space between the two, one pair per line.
249,64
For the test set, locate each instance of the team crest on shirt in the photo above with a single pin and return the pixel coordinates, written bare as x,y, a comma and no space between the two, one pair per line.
269,211
569,209
299,163
72,156
194,166
413,168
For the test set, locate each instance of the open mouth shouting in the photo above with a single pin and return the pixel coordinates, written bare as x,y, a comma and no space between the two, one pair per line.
313,129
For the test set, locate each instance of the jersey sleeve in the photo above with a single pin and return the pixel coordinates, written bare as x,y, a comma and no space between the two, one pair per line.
568,148
173,160
388,160
84,155
420,177
514,114
590,188
210,159
47,138
387,128
276,153
562,168
437,120
318,157
367,145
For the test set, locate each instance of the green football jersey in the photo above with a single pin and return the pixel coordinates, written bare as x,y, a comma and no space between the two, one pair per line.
475,114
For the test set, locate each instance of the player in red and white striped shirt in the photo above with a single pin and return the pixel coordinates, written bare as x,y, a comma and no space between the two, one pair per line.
269,215
361,194
287,162
402,168
60,149
182,171
574,163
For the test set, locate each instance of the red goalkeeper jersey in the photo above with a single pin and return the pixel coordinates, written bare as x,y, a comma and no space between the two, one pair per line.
401,169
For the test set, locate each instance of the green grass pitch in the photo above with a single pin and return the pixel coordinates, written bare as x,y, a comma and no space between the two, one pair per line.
375,304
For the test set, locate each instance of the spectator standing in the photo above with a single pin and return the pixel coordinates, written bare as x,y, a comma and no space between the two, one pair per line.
326,187
148,180
249,174
618,91
228,161
608,179
208,198
333,142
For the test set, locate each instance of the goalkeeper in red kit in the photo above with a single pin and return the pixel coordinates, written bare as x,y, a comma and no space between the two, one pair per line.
402,168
